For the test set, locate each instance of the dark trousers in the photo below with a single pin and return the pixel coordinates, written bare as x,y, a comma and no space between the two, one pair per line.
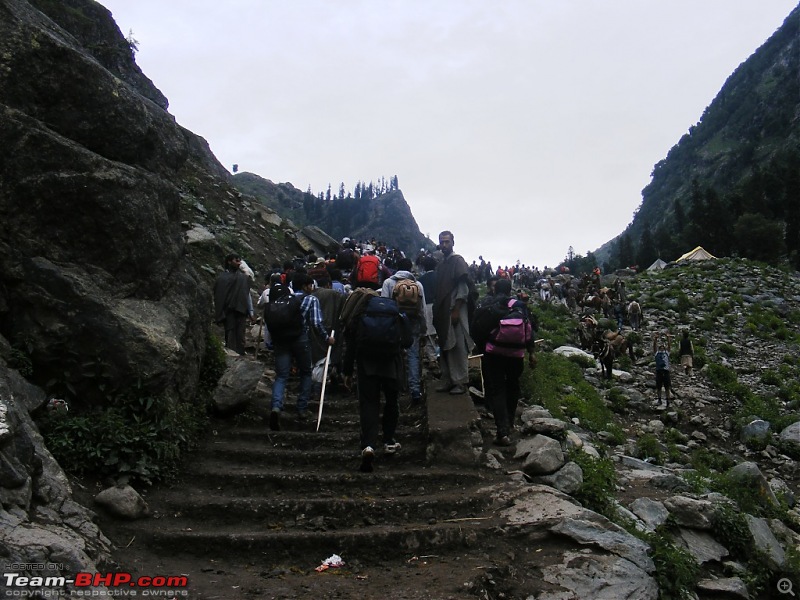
501,377
235,324
369,405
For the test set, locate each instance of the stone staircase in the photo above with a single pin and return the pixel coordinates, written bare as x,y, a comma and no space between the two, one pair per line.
269,506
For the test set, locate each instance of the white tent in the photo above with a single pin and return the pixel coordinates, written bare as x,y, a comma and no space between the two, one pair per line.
657,266
698,253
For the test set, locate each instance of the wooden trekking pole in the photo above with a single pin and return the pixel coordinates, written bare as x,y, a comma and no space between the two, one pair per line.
324,381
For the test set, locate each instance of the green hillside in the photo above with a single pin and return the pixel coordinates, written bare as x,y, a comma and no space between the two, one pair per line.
732,183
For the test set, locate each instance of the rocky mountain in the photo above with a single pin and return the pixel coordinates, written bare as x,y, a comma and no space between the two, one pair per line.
732,183
386,217
115,218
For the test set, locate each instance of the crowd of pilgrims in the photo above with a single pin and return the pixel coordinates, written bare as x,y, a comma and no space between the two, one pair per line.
325,282
555,285
338,266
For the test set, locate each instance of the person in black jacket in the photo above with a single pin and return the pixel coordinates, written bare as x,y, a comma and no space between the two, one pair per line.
232,303
376,372
686,353
503,365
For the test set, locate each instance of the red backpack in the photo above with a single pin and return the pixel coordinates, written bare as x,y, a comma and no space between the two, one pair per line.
367,269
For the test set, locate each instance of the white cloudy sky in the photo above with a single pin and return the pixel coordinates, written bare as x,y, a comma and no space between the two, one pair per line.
524,126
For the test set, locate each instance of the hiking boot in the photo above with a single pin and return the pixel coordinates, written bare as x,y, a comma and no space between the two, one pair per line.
391,447
444,388
458,389
502,440
367,455
303,417
275,420
416,399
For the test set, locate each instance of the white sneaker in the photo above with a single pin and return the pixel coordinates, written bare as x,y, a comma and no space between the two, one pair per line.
367,455
391,447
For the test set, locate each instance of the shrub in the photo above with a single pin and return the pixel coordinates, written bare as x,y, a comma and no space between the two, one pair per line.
555,323
729,527
676,570
21,361
708,461
770,377
617,399
213,364
648,446
684,304
140,437
583,361
599,483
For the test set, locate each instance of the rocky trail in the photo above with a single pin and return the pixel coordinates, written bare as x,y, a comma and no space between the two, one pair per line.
256,511
452,516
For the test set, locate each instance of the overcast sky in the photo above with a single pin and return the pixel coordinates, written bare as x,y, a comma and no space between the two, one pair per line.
524,126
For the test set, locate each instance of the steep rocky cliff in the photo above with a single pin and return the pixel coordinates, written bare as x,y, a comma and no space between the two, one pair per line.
386,217
114,221
98,185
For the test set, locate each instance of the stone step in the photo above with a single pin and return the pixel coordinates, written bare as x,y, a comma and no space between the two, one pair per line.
390,476
307,453
331,421
277,543
343,441
331,510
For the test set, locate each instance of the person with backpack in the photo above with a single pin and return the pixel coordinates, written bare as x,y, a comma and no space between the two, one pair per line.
410,297
503,329
330,303
375,337
661,345
367,272
263,300
289,317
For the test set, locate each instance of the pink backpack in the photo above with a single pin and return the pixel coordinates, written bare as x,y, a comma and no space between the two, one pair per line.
512,336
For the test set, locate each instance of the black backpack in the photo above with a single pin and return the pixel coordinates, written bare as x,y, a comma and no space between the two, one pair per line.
486,319
383,329
283,314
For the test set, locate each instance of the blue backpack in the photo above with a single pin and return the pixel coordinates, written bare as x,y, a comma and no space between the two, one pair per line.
383,329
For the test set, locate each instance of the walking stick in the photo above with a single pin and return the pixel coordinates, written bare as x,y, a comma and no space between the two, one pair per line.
324,381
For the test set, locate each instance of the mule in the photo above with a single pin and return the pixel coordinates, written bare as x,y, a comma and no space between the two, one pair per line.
612,345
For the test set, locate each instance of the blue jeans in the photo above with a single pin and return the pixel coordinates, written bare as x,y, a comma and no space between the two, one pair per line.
300,351
412,354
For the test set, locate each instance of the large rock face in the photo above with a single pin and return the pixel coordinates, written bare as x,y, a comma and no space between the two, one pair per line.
95,284
39,521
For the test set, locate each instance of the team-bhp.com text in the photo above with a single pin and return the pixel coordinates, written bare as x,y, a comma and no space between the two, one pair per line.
97,585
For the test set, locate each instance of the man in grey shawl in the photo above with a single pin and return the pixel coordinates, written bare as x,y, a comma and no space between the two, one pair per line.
450,317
